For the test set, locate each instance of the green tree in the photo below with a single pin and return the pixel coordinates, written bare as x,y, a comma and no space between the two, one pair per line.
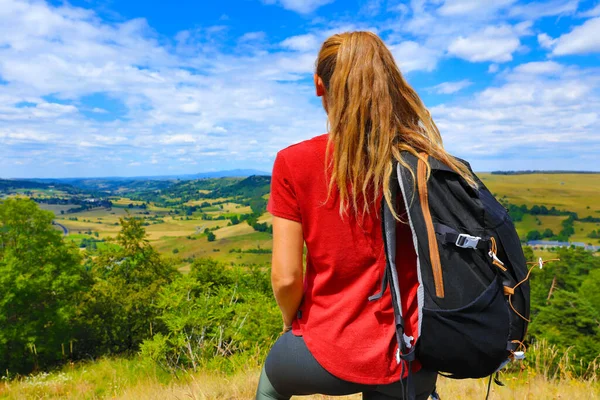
40,277
211,237
569,320
565,305
533,235
118,313
548,233
590,289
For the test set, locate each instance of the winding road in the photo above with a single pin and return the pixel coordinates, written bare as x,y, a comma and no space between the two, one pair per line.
64,228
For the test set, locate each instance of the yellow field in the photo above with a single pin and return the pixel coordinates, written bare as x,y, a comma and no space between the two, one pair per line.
572,192
56,208
176,228
234,230
220,248
123,201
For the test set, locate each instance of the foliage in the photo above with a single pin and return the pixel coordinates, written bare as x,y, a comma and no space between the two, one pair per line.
117,312
40,278
565,305
213,312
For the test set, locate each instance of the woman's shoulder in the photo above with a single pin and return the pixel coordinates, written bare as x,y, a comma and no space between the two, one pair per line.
306,148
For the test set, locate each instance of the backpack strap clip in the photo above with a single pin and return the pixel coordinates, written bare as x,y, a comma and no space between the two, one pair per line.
450,235
467,241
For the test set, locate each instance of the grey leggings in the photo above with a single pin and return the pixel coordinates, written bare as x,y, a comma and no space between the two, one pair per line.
290,369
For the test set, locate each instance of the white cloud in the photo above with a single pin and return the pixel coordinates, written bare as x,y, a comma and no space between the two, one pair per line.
195,97
540,68
540,113
300,6
307,42
544,8
546,41
592,12
8,136
581,40
192,95
411,56
451,87
472,7
252,36
495,43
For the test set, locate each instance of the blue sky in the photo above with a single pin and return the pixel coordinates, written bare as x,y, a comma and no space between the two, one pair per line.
109,87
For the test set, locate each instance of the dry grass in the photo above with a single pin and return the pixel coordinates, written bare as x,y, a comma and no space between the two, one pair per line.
233,230
266,217
173,227
116,380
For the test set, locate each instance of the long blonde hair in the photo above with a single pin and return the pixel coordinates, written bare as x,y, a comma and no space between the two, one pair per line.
373,115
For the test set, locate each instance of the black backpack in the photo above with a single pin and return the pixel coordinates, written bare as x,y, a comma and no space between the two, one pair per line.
473,294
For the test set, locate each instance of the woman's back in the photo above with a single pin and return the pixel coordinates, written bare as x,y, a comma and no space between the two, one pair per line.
352,338
373,116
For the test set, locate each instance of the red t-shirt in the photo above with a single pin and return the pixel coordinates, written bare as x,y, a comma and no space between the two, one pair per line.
349,336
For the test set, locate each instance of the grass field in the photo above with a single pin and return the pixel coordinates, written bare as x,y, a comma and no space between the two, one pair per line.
582,230
57,208
132,379
573,192
219,250
540,223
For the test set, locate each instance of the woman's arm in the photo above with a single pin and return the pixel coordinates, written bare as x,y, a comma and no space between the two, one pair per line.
286,268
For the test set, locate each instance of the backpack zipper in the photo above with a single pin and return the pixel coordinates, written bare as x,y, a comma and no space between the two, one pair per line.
434,254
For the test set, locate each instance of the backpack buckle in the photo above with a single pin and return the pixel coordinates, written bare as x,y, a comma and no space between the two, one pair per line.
467,241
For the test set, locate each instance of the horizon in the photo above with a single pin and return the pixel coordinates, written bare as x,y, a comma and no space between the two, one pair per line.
93,89
267,173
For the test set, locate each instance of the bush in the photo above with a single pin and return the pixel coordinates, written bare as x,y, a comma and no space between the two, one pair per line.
213,312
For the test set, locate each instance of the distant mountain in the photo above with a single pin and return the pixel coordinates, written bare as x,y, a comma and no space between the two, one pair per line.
234,173
7,185
251,187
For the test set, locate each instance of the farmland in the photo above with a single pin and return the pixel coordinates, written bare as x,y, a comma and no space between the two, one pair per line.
181,216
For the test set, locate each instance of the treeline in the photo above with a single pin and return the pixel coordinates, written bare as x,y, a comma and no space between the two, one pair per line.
59,305
518,212
10,185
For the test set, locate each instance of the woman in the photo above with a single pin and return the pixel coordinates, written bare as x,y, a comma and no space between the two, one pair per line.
326,193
